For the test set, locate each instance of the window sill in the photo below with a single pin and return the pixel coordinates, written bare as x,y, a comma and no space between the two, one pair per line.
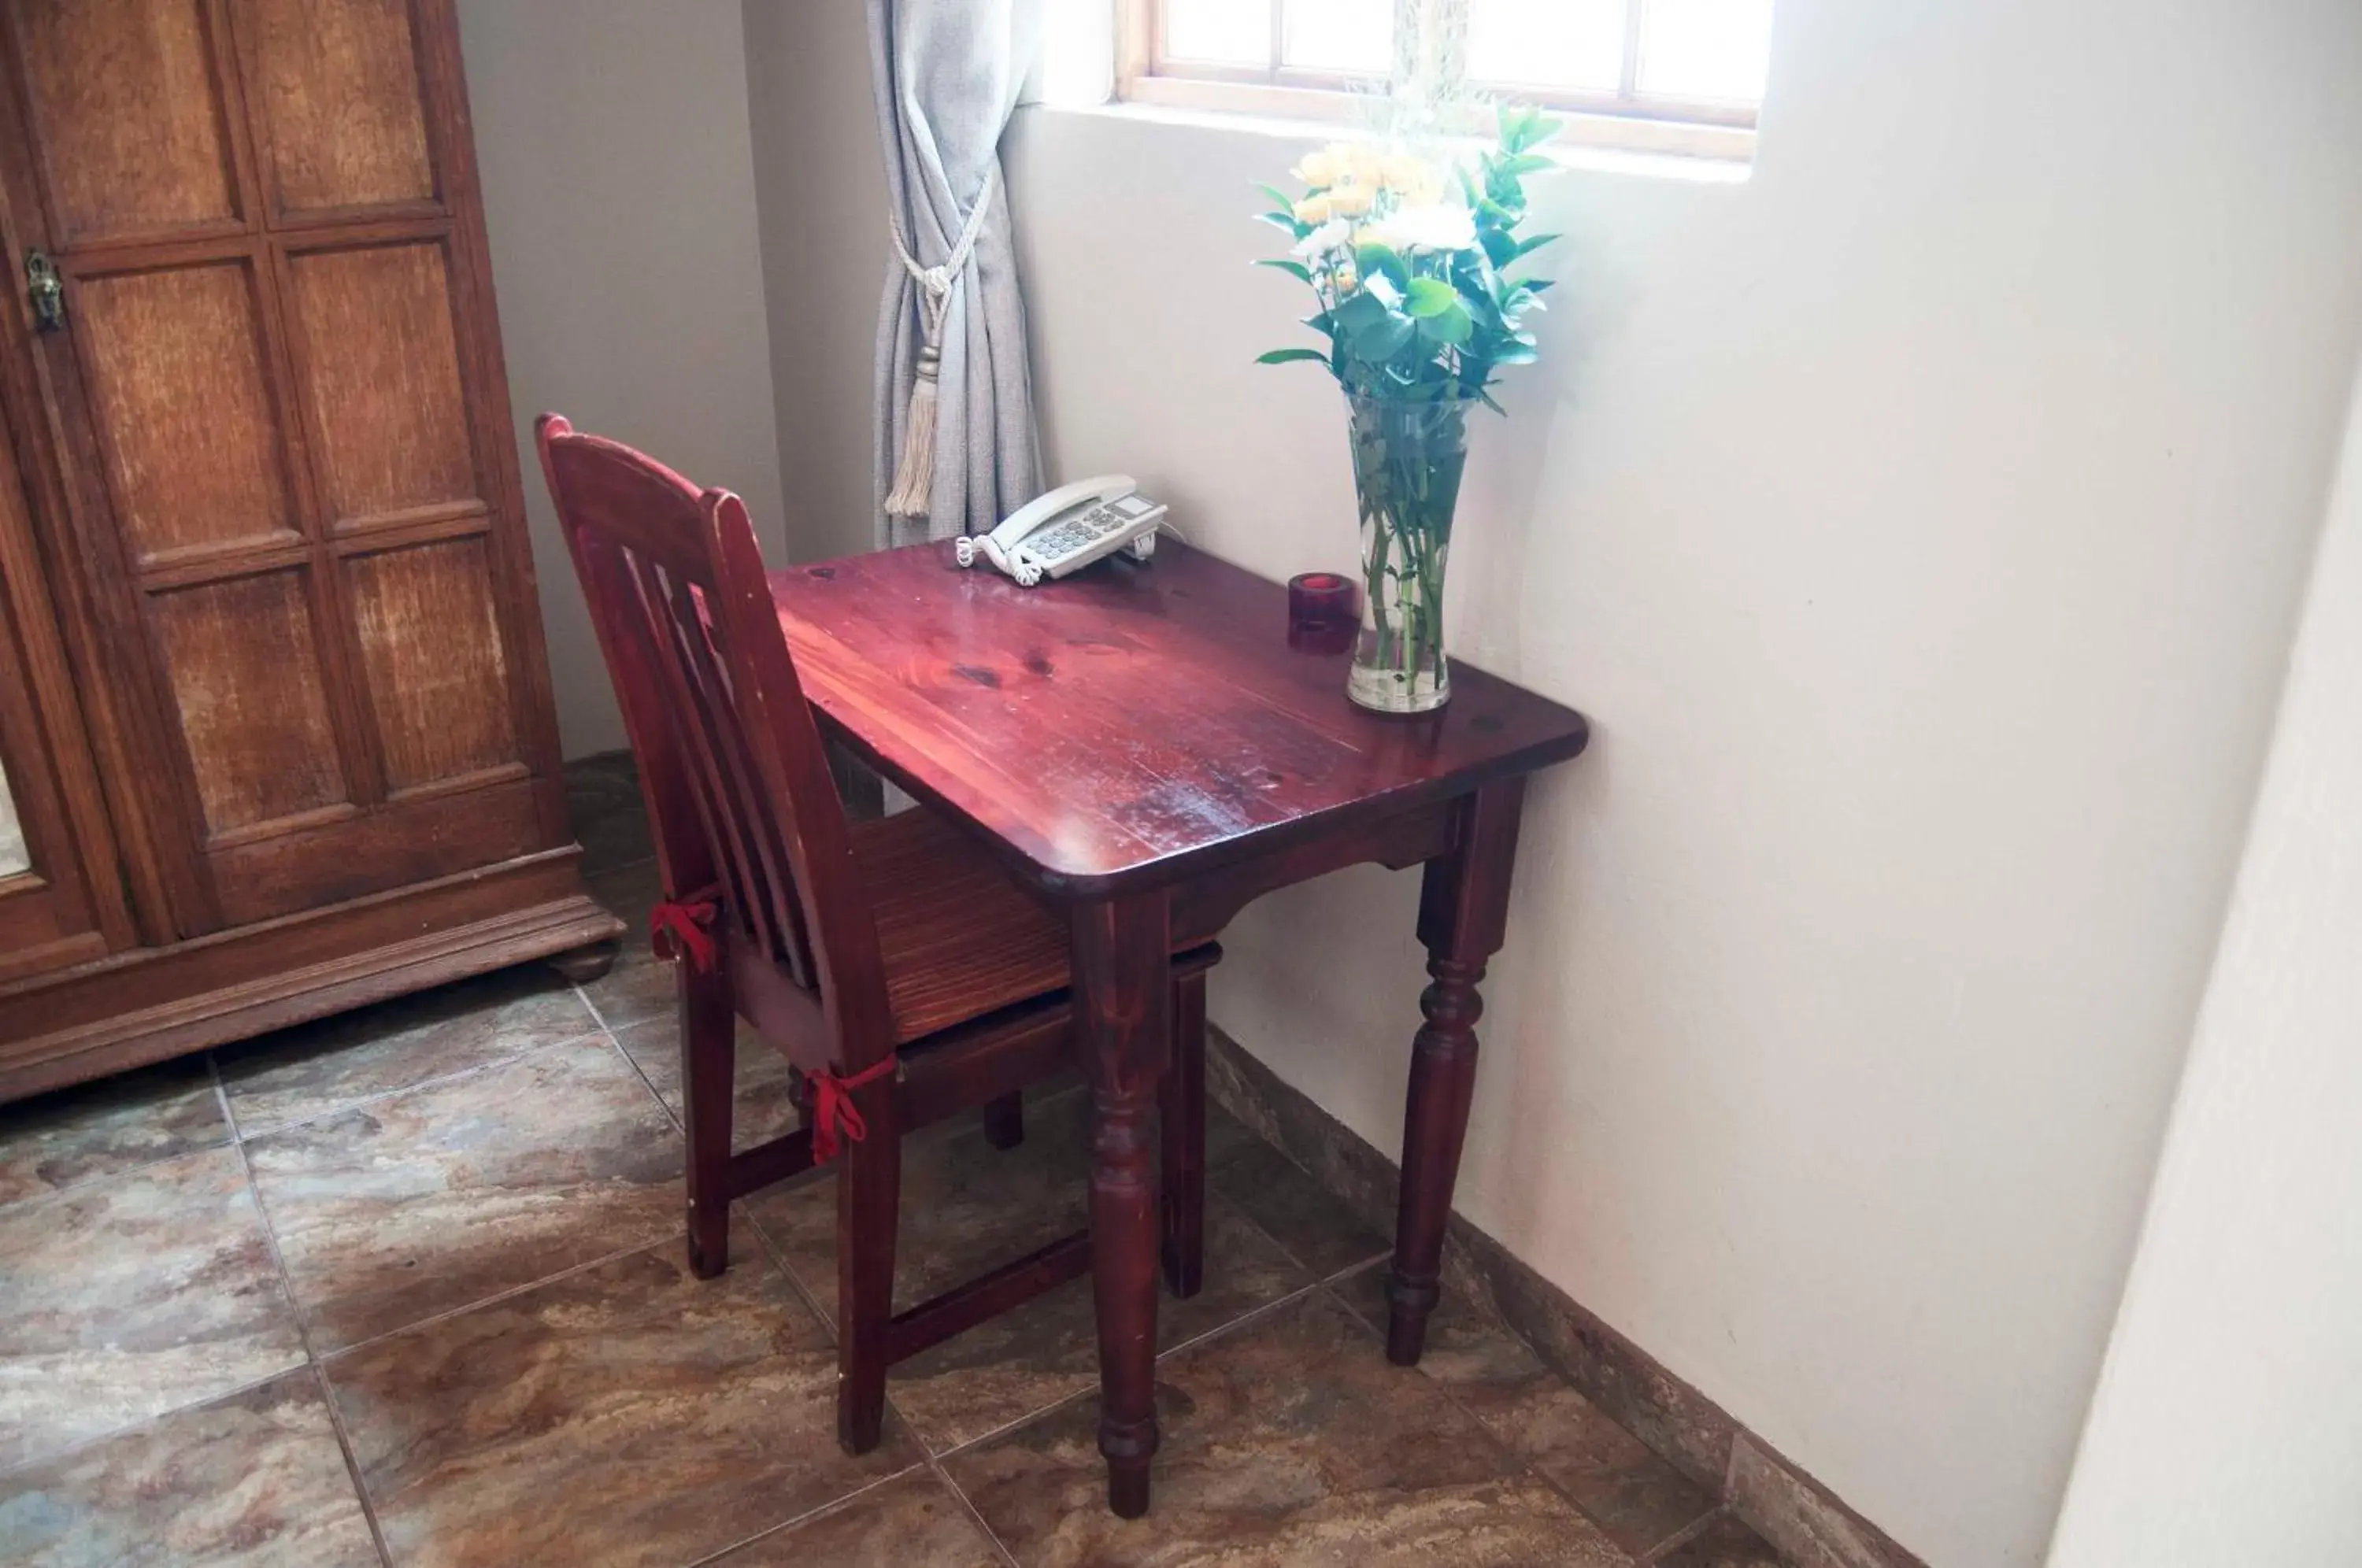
1593,142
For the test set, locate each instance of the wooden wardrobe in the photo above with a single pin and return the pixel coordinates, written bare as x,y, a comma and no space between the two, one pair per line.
274,710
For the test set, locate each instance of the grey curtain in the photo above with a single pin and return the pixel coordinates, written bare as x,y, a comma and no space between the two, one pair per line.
946,75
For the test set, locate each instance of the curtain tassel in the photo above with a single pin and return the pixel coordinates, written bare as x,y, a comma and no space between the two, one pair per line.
914,478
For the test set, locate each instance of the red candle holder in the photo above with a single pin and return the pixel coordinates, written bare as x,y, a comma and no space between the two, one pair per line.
1323,612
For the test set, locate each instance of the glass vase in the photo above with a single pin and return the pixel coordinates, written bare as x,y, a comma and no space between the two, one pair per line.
1407,459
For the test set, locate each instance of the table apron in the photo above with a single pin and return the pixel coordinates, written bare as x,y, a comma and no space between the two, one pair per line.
1206,900
1203,904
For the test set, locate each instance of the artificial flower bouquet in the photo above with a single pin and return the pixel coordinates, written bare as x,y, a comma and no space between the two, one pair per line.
1409,258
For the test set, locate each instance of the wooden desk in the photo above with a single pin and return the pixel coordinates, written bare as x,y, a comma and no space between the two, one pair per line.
1142,747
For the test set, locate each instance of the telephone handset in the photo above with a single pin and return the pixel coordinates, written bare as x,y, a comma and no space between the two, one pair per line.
1068,529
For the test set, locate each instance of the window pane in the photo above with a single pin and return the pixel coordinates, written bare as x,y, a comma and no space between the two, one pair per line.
1339,35
1707,49
1234,32
1547,43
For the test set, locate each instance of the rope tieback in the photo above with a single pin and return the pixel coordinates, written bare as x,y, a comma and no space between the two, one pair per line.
680,929
832,1109
914,491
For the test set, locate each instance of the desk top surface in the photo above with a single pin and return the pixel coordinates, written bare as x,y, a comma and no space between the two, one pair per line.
1131,724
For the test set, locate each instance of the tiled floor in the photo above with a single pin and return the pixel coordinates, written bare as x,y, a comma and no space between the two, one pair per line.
407,1286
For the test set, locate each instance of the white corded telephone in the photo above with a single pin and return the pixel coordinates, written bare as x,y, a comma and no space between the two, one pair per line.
1068,529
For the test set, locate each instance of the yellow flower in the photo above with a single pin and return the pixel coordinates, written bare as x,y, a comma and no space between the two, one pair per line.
1313,208
1403,171
1318,169
1350,201
1357,162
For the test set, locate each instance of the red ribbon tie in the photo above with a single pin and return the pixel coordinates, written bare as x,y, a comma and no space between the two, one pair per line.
833,1109
677,929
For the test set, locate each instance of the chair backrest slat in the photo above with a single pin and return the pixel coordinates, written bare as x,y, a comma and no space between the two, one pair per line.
738,816
737,789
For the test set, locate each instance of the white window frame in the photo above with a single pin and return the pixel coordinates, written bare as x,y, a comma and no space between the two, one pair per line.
1625,119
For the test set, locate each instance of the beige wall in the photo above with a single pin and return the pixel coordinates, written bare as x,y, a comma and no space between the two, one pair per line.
619,190
1922,523
821,188
2227,1428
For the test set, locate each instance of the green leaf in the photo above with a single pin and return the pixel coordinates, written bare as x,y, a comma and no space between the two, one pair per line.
1431,297
1520,123
1279,197
1382,339
1283,220
1450,325
1529,245
1508,194
1516,353
1499,243
1375,261
1359,311
1523,126
1296,269
1524,163
1289,355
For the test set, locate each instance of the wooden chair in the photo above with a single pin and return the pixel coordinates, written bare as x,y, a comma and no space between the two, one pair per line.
892,962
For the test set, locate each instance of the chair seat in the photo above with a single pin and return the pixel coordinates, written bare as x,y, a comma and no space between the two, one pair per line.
960,938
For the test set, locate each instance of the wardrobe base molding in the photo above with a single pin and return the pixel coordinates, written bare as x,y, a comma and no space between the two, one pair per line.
135,1007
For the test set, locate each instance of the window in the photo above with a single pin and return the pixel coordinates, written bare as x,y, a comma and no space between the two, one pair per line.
1666,75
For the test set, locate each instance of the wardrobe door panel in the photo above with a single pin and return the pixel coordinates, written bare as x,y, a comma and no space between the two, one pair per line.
337,101
135,142
381,366
239,657
431,651
188,474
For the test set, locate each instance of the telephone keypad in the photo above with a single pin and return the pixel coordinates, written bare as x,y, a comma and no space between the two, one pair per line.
1077,532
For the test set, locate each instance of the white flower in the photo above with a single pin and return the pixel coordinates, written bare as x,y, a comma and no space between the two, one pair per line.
1437,227
1330,235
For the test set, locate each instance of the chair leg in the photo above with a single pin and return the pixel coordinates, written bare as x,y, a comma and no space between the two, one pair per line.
709,1028
1004,1120
1181,1116
869,1197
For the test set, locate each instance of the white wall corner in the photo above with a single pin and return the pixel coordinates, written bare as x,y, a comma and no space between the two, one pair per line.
2227,1425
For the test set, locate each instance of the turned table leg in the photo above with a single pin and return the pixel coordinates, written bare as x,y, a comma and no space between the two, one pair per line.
1462,912
1122,964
